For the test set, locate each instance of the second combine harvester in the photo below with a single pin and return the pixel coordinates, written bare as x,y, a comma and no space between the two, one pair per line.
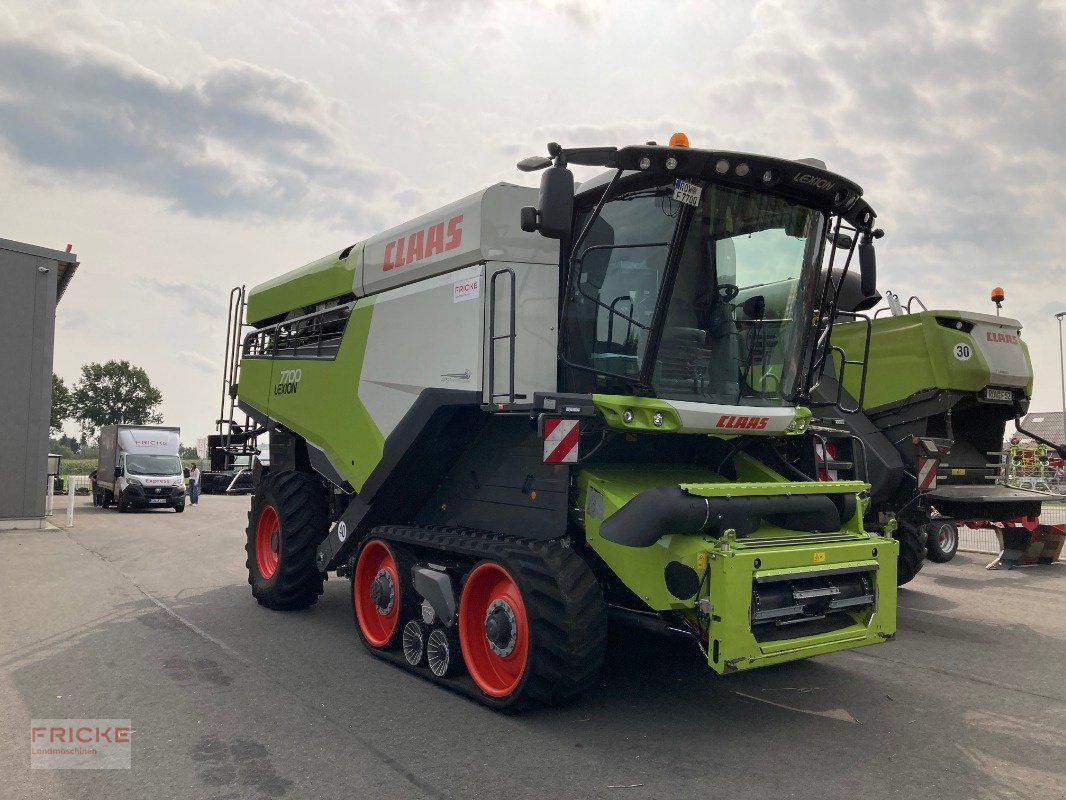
520,417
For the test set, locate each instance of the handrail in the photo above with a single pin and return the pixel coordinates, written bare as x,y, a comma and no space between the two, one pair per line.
511,335
844,362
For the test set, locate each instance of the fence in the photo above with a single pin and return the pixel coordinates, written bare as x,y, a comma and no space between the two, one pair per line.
984,540
67,488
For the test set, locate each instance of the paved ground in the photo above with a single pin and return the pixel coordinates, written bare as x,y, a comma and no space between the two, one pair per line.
148,616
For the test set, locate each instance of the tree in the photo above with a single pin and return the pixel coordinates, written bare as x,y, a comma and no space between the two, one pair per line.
66,443
188,453
60,403
71,442
114,393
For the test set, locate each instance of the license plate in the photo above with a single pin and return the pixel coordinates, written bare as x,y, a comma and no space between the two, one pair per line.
1004,395
688,193
159,500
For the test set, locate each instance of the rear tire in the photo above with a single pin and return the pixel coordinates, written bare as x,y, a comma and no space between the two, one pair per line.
287,521
911,553
943,541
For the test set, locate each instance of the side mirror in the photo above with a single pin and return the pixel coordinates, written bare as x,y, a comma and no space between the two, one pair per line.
185,471
867,267
118,472
554,213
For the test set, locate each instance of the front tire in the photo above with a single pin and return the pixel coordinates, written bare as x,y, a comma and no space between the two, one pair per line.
912,544
382,596
121,504
943,542
532,627
287,521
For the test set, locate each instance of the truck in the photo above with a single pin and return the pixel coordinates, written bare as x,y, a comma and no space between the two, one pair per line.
532,414
140,467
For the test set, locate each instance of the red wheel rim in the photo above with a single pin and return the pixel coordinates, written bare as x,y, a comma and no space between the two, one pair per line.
267,542
376,625
495,674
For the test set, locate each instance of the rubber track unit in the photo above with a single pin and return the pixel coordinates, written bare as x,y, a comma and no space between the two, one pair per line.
304,520
564,606
911,554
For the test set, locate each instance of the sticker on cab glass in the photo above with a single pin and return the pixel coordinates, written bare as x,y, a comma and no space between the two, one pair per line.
962,351
687,193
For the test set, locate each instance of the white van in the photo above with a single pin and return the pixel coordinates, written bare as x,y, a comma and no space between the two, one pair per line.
140,467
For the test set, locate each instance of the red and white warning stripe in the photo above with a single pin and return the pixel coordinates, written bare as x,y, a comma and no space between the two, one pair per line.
927,468
561,437
823,453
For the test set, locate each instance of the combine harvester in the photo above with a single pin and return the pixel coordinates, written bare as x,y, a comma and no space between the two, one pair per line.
916,403
521,416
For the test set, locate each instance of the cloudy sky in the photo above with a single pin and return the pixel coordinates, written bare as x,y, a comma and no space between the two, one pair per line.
187,148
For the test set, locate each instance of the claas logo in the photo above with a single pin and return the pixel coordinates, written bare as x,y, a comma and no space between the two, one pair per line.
737,422
994,336
422,244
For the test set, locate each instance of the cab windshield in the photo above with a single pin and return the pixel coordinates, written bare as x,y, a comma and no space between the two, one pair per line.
730,305
143,464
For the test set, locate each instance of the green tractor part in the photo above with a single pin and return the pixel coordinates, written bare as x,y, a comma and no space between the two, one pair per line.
526,416
726,557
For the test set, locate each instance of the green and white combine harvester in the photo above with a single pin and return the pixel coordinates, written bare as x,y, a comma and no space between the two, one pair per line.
523,416
916,404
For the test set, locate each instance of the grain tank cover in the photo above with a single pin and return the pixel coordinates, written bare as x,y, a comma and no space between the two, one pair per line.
481,227
159,441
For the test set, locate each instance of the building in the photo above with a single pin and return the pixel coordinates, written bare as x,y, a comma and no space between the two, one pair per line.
33,280
1046,425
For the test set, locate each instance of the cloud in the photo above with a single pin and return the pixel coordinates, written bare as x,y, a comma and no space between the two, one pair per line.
200,362
193,299
582,13
237,141
961,107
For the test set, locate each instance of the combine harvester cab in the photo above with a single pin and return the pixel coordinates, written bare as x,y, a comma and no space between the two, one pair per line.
920,411
525,414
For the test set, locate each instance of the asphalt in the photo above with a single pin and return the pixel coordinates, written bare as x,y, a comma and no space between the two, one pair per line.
148,616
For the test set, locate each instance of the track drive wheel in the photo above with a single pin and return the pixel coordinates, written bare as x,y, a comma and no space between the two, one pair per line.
382,597
912,543
532,627
943,541
287,522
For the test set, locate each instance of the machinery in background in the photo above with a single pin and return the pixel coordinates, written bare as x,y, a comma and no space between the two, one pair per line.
916,402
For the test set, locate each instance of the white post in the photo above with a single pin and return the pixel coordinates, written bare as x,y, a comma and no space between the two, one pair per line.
51,495
70,502
1062,376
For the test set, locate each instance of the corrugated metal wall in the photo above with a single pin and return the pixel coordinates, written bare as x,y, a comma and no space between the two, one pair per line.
27,330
